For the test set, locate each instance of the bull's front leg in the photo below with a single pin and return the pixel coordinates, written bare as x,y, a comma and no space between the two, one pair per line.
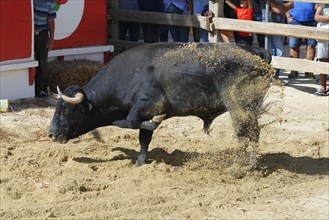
145,137
150,125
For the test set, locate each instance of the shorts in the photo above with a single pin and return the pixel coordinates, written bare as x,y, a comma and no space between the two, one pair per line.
322,50
296,42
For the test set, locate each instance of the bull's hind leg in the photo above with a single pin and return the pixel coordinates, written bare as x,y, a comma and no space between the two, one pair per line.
246,127
247,130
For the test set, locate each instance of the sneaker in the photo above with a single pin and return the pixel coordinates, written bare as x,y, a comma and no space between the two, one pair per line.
322,93
309,75
284,82
293,74
42,94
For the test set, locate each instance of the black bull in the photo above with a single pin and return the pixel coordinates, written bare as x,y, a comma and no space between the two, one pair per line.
145,85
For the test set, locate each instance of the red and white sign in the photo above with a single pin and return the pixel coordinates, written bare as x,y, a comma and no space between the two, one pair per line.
16,25
80,23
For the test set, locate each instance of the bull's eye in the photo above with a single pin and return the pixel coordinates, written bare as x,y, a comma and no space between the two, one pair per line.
81,108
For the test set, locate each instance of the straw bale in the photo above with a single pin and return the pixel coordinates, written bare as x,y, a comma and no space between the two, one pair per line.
67,73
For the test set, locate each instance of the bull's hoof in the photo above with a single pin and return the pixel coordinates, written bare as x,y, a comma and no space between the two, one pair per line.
238,171
139,164
253,162
140,160
246,162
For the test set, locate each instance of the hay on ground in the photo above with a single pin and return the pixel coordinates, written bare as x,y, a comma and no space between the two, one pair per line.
67,73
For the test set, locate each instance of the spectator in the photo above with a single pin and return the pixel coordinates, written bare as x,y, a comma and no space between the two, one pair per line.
277,15
198,6
302,14
151,32
228,13
164,29
132,28
44,30
322,52
244,12
178,33
258,7
204,33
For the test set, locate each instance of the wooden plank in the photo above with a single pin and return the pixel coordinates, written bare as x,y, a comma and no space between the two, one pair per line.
272,28
214,11
121,45
159,18
300,65
222,23
314,1
235,25
112,25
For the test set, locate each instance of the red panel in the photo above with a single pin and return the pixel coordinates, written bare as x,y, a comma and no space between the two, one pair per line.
15,29
92,28
31,75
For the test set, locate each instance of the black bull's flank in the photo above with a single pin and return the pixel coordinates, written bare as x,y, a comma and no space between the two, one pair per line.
145,85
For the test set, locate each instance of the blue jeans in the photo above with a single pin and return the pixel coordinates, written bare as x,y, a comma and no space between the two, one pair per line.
296,42
203,35
179,34
41,55
131,27
277,49
164,30
277,45
260,37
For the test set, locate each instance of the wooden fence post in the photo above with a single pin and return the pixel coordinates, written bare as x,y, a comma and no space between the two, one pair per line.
112,25
215,10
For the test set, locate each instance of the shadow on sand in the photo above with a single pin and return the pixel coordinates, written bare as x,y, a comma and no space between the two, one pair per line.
299,165
269,162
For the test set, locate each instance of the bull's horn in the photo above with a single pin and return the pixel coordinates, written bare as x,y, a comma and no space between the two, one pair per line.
78,98
52,95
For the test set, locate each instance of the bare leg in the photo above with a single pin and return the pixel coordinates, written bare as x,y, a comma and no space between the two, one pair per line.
226,36
294,52
323,82
310,53
323,77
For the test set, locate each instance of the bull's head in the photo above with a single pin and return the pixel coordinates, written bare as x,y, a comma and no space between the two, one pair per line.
71,114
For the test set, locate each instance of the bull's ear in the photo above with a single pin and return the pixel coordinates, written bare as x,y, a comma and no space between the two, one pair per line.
85,106
90,106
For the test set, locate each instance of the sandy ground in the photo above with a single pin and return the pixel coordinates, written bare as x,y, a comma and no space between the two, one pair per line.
188,174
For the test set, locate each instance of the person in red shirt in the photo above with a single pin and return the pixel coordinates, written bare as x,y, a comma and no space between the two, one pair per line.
244,12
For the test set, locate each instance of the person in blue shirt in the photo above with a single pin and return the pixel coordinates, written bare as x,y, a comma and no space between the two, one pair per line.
278,8
151,32
132,28
199,8
302,14
178,33
259,7
44,30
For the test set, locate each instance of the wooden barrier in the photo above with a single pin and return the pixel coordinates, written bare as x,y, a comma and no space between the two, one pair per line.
220,23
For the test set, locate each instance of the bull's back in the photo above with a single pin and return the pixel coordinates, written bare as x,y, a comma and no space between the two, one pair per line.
191,75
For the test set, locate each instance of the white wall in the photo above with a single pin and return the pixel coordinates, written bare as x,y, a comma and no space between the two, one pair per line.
14,84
